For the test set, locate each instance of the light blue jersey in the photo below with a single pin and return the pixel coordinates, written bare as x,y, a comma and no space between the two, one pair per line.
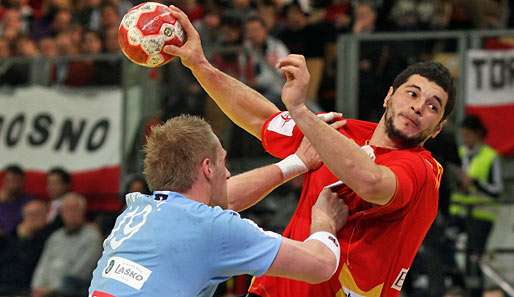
168,245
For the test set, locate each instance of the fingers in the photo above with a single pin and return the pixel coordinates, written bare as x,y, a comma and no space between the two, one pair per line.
172,50
292,60
338,124
330,116
335,118
183,20
290,72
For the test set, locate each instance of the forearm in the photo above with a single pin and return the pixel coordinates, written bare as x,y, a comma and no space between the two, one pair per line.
345,159
243,105
247,189
308,261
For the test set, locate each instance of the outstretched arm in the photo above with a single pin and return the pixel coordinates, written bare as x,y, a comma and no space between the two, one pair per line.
374,183
243,105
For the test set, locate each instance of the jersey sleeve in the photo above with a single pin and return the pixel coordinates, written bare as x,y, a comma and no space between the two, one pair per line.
280,135
241,247
411,174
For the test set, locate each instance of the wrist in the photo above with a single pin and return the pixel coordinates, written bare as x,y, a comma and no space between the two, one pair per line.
292,166
200,64
298,110
322,226
330,241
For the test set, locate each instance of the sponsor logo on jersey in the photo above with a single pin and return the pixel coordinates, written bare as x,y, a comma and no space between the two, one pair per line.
282,124
398,282
127,272
109,266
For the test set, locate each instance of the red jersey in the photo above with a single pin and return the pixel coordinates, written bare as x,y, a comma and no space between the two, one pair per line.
378,243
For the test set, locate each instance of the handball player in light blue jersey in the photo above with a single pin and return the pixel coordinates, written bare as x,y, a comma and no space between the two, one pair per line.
180,242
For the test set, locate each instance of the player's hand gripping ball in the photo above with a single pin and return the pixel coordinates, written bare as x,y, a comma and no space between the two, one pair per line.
145,30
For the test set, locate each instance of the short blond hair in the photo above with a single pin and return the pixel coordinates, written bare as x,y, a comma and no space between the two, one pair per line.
175,150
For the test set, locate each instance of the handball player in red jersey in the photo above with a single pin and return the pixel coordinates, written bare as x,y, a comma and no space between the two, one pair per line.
388,180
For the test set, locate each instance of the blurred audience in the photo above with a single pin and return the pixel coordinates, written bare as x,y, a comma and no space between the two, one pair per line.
12,199
21,250
264,53
456,292
494,292
58,184
70,254
480,184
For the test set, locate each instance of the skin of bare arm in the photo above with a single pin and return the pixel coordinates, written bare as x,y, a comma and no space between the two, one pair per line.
243,105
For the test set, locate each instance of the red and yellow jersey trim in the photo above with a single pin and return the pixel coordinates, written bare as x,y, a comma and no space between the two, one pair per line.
348,284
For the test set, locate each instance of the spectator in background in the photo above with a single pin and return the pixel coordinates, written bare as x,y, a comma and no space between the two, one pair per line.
70,254
12,199
110,41
209,29
269,13
338,14
365,17
122,5
5,49
240,9
65,44
83,72
88,14
21,250
61,21
233,61
108,71
11,25
58,184
489,14
137,183
310,40
110,17
493,292
371,64
26,47
455,292
480,185
264,53
19,73
48,47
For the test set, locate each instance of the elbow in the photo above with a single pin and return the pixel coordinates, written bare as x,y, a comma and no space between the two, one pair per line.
369,188
323,272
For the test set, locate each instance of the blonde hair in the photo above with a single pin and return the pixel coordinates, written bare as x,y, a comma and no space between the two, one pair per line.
175,150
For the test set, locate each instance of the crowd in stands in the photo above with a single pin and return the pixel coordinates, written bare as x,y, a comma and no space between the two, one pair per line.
50,246
267,29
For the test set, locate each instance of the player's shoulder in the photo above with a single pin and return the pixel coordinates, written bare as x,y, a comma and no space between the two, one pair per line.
423,160
432,165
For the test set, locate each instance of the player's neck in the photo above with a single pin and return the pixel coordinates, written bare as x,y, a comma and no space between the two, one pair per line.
198,193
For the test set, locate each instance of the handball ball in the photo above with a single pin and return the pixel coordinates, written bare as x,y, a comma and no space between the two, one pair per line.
145,30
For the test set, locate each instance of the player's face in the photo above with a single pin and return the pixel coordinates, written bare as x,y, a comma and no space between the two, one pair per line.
221,174
414,111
